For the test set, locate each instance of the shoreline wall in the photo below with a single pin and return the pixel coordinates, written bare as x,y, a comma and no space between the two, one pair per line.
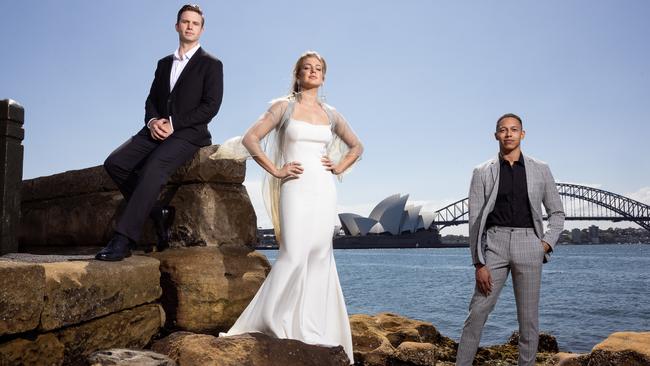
79,207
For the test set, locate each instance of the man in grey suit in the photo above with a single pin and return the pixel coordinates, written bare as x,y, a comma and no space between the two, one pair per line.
506,233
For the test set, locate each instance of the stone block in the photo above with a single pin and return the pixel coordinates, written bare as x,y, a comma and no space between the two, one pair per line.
206,214
78,291
209,214
206,288
200,169
22,288
43,350
132,328
84,220
67,184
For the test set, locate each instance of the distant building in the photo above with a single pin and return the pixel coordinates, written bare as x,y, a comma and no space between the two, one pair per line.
594,234
576,236
391,216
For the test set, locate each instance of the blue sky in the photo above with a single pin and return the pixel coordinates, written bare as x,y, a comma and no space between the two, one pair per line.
422,83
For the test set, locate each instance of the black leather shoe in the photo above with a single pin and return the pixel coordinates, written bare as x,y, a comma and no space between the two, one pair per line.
163,218
116,249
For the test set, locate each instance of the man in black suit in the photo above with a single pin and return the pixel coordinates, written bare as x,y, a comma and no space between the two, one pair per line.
185,95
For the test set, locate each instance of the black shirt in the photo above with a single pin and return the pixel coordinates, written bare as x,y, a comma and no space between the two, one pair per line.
512,207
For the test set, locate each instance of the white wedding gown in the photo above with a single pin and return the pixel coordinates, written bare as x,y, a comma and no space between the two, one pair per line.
301,298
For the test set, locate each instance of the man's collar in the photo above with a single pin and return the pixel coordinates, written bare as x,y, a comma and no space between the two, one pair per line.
520,161
188,55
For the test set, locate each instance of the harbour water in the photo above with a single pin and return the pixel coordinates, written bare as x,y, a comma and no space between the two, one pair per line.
588,291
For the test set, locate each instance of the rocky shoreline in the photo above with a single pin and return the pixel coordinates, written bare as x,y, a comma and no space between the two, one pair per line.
381,340
167,308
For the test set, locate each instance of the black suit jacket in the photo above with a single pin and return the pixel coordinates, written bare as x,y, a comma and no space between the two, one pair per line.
193,102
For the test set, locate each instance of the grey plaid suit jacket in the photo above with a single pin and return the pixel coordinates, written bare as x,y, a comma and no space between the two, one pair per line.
541,189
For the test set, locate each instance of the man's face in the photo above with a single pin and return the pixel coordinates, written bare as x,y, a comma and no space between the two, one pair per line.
190,26
509,134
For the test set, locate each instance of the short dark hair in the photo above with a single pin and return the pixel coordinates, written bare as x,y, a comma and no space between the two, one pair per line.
190,7
509,115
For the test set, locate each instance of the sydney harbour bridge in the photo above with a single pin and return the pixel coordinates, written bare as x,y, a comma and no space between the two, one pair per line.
580,203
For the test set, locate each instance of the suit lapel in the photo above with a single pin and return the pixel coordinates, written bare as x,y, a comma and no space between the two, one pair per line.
495,168
191,63
529,178
167,73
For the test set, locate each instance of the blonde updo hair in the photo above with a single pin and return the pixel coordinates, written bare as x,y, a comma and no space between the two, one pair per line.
295,84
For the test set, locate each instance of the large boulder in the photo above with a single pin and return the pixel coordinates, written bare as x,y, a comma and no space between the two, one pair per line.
257,349
211,214
386,339
202,169
76,291
206,288
622,348
21,301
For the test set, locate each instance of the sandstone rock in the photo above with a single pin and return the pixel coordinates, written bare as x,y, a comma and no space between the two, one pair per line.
82,290
66,184
69,346
417,354
209,214
206,214
622,348
95,179
201,169
131,328
547,343
44,350
83,220
189,349
79,208
21,296
503,353
206,288
387,339
569,359
507,354
129,357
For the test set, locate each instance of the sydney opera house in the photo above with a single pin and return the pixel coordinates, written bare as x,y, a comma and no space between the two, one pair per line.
390,216
391,224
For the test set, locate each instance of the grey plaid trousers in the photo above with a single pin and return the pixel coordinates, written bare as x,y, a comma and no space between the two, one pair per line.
516,250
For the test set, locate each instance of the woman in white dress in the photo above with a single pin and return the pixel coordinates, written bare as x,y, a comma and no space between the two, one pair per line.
307,142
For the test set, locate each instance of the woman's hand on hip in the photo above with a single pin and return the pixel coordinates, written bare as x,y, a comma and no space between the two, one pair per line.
329,165
290,170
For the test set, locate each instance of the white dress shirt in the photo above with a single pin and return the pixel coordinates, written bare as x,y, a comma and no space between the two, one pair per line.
177,68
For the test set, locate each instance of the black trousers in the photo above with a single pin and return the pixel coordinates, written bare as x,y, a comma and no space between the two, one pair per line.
140,167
